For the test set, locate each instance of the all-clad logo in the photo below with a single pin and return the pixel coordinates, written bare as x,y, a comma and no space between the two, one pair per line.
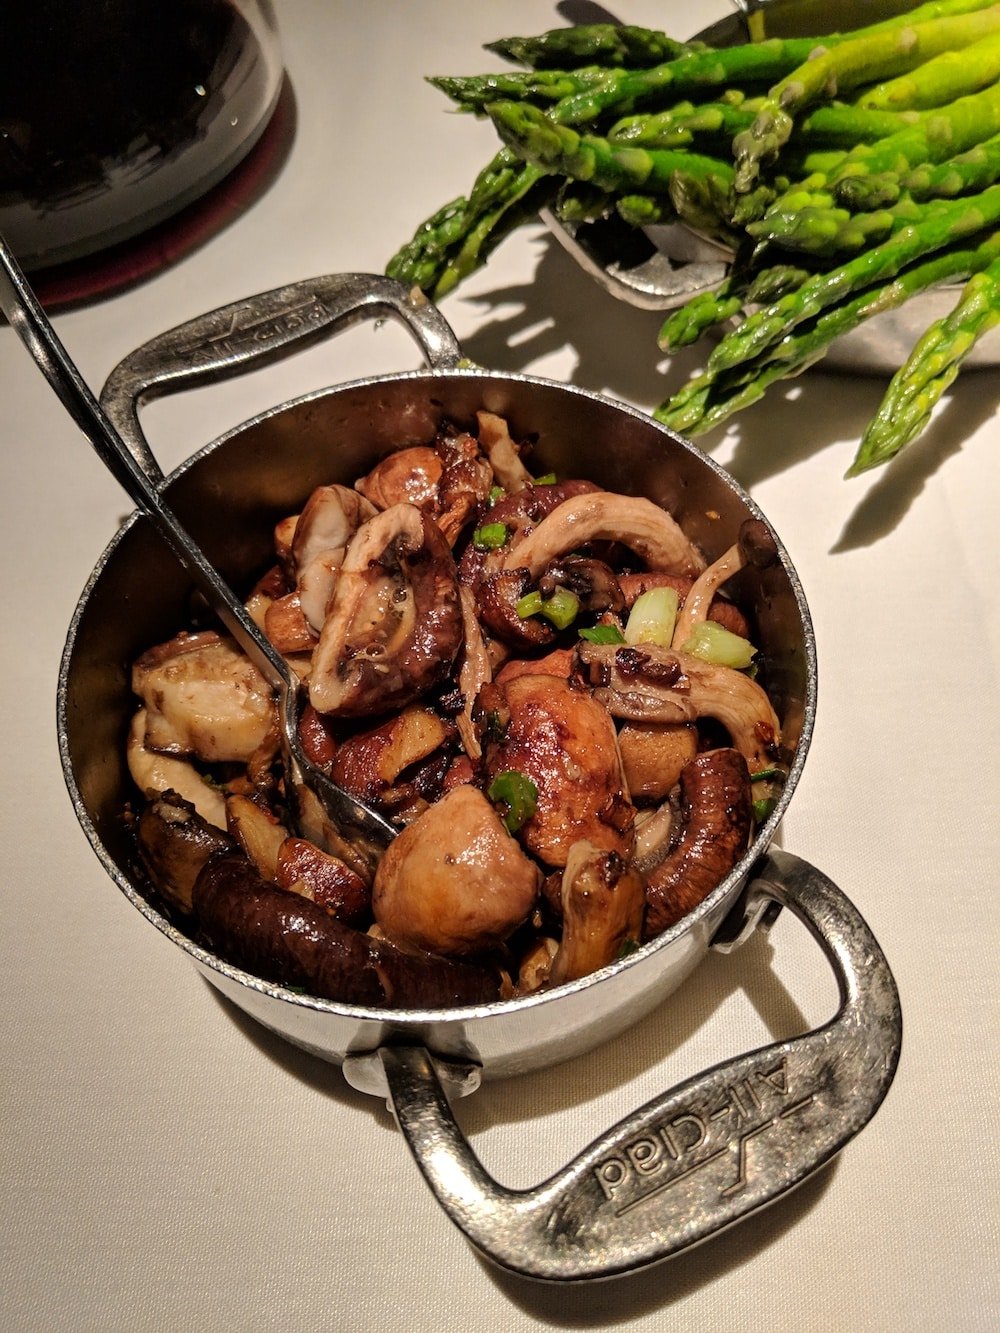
249,328
700,1135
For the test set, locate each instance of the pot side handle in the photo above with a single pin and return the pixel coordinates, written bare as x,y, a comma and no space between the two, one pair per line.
700,1157
260,329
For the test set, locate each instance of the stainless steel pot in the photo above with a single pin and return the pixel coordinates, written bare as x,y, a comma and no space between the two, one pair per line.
675,1171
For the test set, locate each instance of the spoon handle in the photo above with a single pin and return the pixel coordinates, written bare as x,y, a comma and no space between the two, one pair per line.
29,321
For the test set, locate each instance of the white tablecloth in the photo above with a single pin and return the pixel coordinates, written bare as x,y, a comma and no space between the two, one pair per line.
165,1164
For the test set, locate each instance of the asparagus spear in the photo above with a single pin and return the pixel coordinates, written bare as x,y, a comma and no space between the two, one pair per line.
605,44
709,399
589,157
850,64
462,227
588,93
939,224
685,325
965,173
937,136
972,170
940,80
644,210
828,231
929,370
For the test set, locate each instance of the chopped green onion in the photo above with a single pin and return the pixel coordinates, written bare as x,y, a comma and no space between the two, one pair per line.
768,775
518,793
603,634
496,493
762,808
490,537
652,617
548,480
560,609
529,605
712,643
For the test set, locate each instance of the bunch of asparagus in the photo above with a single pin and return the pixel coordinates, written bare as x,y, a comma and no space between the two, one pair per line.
847,173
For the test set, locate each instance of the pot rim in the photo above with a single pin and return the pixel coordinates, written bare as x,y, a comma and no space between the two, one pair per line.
403,1019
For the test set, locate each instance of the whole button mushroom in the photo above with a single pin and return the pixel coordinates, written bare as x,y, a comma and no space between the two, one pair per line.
454,881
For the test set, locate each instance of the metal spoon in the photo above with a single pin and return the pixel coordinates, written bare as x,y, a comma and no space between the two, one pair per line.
327,813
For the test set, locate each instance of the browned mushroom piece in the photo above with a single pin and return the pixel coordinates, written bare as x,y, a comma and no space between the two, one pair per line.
326,880
406,476
637,523
603,905
754,545
454,881
559,662
503,454
387,765
286,626
497,598
562,740
593,582
466,479
717,821
653,755
395,624
203,698
648,683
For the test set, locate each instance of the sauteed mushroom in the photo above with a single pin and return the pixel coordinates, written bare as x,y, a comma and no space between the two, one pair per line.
562,793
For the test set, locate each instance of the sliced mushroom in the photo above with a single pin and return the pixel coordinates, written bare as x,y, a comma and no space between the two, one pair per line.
326,880
502,452
454,881
395,624
754,545
717,822
648,683
203,698
258,832
474,671
562,740
637,523
330,518
154,773
603,904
